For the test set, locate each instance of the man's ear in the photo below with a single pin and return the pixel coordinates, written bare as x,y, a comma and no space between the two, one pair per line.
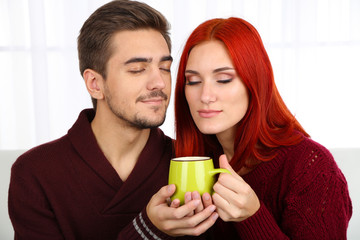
93,82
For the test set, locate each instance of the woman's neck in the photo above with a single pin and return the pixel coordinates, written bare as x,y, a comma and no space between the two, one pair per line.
226,140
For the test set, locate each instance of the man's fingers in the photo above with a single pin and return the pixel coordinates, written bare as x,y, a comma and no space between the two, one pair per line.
206,199
195,195
199,229
196,224
187,209
175,203
163,195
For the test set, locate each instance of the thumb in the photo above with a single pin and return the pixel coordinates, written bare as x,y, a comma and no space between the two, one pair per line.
224,163
163,194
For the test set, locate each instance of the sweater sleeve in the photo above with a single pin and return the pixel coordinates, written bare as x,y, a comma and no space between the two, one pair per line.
29,211
261,225
142,228
316,206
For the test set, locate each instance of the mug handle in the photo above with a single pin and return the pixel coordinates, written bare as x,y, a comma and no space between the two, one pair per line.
219,170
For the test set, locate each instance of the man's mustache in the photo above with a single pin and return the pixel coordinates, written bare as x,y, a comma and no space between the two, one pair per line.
152,95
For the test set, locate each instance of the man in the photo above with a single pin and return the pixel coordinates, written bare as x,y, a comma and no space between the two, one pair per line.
102,179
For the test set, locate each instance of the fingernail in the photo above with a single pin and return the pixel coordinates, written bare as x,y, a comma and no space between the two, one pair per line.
196,196
188,197
212,208
196,202
206,197
215,216
169,188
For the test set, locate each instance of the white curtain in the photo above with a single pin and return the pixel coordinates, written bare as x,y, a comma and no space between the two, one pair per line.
314,46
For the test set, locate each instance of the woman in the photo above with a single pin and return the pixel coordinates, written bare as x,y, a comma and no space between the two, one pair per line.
283,184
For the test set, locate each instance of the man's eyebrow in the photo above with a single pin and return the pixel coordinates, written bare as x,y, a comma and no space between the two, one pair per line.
138,59
166,58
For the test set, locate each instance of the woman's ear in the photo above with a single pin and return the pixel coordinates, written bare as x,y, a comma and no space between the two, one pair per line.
93,82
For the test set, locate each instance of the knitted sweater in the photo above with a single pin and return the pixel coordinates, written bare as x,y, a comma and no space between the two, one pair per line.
67,189
303,195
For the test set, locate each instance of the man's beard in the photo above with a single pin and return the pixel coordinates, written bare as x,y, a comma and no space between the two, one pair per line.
140,122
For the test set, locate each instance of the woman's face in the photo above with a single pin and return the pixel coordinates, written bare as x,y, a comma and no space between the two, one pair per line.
216,95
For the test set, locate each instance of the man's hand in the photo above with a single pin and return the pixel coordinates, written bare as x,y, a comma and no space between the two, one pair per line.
189,219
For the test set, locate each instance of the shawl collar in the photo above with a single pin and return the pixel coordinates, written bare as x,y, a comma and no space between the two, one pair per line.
155,152
84,142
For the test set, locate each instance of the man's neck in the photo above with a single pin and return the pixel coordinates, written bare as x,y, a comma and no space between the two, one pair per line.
120,143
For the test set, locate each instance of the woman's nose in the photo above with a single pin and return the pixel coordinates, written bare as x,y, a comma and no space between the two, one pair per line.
207,93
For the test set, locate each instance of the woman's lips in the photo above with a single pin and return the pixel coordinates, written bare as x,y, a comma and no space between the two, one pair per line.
209,113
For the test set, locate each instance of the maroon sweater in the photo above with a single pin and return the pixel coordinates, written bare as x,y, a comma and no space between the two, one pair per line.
303,195
66,189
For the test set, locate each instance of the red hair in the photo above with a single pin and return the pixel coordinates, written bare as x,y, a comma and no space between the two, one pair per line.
267,124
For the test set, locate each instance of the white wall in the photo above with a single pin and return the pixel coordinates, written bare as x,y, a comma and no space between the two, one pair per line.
313,45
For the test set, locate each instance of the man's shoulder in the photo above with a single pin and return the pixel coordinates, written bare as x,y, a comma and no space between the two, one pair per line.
44,154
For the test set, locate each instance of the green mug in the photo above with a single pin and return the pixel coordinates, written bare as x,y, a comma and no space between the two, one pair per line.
192,174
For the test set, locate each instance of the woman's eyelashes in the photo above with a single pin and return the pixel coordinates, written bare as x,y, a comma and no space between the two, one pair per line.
196,80
192,80
225,80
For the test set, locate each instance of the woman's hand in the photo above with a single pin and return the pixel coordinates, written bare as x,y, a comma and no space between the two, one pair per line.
175,220
234,199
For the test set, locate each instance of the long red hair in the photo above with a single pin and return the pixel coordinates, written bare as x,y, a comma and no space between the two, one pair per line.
267,124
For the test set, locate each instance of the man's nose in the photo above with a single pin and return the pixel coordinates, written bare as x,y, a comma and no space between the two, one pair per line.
157,80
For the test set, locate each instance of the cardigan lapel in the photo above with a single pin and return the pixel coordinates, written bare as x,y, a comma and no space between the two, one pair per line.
84,142
156,151
150,158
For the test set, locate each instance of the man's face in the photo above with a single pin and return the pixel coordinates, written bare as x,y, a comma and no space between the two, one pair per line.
138,84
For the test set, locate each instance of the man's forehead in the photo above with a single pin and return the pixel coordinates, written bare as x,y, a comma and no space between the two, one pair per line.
140,46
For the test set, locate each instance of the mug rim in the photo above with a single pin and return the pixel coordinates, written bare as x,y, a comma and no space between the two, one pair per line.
190,158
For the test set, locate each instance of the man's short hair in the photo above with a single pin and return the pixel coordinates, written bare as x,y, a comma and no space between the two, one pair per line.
94,41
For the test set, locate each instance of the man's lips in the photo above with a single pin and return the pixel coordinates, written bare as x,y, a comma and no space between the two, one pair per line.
209,113
153,100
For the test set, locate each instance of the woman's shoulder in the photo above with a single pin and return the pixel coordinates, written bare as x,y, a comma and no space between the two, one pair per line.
306,151
309,160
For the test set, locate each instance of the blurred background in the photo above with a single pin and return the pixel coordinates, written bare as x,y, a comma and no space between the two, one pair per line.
314,47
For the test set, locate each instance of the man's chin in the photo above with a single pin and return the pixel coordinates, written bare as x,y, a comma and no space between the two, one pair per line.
148,122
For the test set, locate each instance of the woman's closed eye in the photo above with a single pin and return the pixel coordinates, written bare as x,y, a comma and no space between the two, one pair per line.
192,80
225,80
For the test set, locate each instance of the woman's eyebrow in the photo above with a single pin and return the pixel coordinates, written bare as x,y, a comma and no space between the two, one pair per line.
192,72
214,71
222,69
